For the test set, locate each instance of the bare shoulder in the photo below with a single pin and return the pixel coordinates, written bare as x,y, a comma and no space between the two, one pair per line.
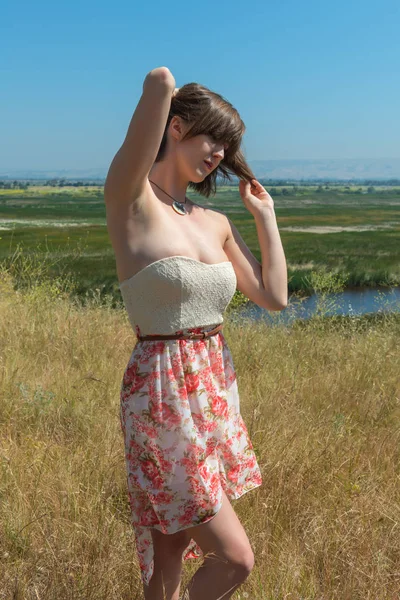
219,219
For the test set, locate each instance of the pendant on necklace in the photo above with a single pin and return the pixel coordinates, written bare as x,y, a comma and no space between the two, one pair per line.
179,207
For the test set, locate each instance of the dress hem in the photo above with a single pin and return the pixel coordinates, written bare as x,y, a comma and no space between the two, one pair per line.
234,497
190,543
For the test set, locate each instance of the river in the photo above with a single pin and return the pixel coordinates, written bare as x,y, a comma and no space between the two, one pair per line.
349,302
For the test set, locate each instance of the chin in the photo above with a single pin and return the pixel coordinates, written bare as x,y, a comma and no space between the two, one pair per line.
199,177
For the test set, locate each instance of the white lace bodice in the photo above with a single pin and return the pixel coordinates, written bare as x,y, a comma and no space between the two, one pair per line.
178,292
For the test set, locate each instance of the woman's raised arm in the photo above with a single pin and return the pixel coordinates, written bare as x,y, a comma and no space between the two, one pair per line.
132,163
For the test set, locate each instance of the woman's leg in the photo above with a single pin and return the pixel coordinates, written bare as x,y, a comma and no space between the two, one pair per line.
166,579
229,558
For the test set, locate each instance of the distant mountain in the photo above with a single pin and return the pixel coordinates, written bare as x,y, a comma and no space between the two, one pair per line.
335,168
297,169
76,174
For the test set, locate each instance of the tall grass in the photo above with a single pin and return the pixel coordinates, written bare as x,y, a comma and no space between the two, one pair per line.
321,400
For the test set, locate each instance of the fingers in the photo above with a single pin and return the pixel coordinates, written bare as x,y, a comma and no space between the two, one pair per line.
244,184
257,184
250,186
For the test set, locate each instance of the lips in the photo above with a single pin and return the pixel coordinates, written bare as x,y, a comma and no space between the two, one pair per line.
209,164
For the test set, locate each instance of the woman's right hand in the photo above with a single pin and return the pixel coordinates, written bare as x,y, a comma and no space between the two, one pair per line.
176,90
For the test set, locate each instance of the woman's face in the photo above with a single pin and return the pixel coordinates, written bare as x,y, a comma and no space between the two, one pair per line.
199,156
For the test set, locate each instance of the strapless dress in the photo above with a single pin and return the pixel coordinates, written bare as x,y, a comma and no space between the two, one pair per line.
185,439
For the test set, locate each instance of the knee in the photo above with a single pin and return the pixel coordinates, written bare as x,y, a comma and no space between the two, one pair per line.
243,564
240,560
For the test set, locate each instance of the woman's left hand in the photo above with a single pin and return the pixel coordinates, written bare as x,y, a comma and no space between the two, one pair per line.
255,197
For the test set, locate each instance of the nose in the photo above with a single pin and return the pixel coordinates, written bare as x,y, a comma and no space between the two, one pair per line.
220,153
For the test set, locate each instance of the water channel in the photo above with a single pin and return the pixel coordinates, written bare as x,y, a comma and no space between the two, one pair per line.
349,302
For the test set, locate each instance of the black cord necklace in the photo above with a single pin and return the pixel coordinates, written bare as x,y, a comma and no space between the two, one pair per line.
178,207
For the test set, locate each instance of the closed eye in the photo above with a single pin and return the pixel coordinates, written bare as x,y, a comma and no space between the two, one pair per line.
215,141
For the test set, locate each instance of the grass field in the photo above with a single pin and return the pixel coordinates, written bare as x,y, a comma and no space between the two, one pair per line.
354,234
321,401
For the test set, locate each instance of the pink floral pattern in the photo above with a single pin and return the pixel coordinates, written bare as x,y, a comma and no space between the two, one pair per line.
185,439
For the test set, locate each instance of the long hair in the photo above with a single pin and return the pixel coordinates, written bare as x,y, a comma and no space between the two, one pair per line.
209,113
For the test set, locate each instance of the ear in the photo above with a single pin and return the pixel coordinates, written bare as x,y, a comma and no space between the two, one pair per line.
177,128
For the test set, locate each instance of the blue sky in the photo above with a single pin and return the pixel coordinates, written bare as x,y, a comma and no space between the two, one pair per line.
310,79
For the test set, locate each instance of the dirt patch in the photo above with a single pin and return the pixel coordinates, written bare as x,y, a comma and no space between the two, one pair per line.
301,266
7,224
339,228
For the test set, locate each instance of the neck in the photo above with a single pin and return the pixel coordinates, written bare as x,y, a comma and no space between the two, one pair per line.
166,175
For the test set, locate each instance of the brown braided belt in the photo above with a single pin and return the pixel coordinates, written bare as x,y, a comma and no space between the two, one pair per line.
184,336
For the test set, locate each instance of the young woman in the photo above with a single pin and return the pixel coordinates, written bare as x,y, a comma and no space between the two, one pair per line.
188,452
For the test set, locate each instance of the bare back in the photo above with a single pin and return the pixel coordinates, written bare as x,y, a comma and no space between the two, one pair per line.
148,229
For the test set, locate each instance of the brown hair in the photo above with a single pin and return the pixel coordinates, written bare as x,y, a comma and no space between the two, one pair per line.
210,113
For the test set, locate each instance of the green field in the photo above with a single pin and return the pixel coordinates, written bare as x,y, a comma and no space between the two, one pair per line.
347,230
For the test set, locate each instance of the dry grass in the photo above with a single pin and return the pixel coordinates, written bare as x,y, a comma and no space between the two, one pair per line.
322,405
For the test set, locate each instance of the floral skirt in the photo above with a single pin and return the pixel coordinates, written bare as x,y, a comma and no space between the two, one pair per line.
185,439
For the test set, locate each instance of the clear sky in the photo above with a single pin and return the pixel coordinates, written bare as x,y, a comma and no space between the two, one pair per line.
311,79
